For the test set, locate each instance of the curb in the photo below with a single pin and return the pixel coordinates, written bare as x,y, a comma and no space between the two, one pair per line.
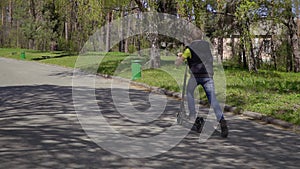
268,119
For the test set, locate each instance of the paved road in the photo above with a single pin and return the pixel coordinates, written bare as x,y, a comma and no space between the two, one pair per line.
39,128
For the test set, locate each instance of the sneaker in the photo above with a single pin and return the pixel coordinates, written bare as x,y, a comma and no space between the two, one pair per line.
199,124
224,128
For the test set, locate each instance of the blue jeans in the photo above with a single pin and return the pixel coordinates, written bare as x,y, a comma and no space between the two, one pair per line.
209,88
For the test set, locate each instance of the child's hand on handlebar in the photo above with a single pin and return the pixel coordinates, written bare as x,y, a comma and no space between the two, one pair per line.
179,59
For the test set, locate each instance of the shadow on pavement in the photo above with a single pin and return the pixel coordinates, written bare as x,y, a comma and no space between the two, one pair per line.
40,129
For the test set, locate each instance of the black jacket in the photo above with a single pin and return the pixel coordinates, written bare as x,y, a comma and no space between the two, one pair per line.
201,63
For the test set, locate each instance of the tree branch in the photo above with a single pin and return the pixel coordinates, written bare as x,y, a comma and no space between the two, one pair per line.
119,9
223,13
140,5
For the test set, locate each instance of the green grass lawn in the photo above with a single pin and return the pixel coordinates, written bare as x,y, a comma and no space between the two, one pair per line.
58,58
268,92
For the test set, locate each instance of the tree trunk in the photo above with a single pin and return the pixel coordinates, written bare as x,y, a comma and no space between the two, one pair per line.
32,9
273,51
126,41
31,44
295,49
294,44
153,37
66,31
245,65
139,45
249,48
108,31
252,55
243,57
34,16
9,28
289,58
3,25
273,42
18,41
11,14
258,47
155,56
233,46
294,58
220,48
3,15
121,33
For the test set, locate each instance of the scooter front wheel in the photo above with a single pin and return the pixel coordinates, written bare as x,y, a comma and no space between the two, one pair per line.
179,118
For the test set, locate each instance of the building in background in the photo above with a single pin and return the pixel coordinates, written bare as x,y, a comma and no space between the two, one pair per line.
263,32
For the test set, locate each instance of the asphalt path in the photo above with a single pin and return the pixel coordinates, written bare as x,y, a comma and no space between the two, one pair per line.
40,128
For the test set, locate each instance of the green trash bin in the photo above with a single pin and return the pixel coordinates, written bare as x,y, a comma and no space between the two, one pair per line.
136,69
23,56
